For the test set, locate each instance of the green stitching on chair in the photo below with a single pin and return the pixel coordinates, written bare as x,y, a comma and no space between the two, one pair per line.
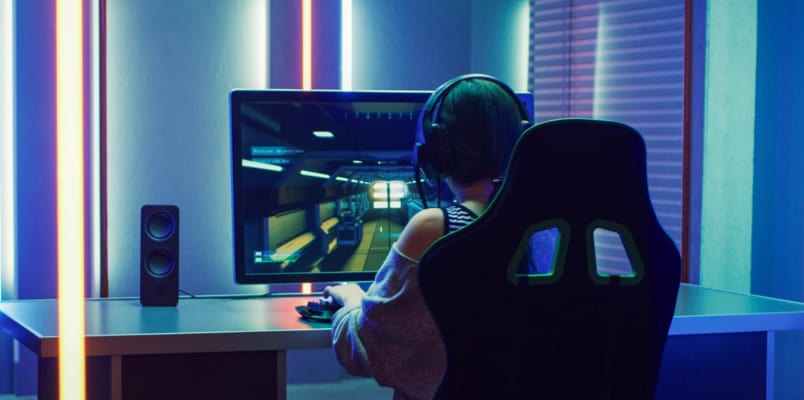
560,254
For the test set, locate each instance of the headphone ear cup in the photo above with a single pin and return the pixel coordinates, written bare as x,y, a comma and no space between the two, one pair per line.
439,151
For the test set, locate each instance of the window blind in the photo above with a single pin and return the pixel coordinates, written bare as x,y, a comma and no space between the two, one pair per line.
620,60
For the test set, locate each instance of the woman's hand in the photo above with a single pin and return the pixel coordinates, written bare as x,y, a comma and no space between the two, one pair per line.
347,295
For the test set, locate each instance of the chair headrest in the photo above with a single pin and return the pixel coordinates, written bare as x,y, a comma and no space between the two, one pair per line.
579,170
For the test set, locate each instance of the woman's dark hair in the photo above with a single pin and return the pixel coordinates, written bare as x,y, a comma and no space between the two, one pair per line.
484,123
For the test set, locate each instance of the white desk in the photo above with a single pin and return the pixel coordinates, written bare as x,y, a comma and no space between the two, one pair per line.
202,348
720,343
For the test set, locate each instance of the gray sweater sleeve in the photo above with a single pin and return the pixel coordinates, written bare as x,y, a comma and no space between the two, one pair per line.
391,335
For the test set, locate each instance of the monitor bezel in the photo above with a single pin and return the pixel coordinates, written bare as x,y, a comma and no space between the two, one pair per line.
237,97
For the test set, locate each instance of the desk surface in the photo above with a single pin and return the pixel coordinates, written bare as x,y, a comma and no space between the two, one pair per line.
218,324
195,325
701,310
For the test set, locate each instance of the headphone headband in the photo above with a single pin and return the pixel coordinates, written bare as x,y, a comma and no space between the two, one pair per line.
432,107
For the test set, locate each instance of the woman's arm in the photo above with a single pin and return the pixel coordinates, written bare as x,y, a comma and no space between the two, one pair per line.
387,332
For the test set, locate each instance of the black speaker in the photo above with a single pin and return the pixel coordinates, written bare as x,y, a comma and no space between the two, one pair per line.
159,255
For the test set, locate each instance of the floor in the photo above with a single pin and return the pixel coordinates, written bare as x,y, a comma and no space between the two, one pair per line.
347,389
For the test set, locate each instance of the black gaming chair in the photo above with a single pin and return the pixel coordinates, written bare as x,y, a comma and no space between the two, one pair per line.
574,333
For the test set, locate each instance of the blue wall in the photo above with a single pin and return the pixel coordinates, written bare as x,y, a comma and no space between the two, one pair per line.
36,164
171,66
418,44
36,149
779,152
778,226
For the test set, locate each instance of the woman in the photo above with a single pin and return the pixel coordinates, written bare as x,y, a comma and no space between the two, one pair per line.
466,133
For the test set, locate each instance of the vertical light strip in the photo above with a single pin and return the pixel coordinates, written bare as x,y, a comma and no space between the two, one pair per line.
70,196
521,43
307,45
262,21
7,158
346,44
728,147
601,64
96,162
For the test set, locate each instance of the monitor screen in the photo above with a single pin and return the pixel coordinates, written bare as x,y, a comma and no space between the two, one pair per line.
323,181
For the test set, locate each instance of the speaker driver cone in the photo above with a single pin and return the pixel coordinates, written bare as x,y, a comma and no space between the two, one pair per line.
159,263
159,226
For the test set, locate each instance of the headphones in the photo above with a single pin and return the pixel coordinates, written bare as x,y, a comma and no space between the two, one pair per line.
432,152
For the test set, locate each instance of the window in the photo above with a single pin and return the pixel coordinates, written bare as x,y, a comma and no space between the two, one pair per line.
620,60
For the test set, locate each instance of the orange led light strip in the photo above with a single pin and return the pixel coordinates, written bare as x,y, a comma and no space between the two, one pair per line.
70,196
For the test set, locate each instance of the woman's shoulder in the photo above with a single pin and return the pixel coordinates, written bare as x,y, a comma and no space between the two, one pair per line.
420,232
427,217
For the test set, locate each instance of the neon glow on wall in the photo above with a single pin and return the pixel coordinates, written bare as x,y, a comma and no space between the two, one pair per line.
307,45
346,44
521,44
601,63
7,159
95,129
70,196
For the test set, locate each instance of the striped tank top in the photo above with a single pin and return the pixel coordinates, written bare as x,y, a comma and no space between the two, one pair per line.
456,217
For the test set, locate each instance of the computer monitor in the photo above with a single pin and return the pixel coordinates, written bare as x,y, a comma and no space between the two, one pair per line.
323,181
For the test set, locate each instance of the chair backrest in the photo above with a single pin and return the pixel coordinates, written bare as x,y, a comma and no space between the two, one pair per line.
574,332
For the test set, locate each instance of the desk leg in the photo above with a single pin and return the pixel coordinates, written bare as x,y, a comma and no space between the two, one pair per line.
281,375
770,365
48,379
116,378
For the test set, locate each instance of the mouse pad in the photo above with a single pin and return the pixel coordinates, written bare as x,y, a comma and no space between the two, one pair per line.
314,315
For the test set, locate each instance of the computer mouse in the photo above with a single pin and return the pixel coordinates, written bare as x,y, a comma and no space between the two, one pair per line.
320,310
